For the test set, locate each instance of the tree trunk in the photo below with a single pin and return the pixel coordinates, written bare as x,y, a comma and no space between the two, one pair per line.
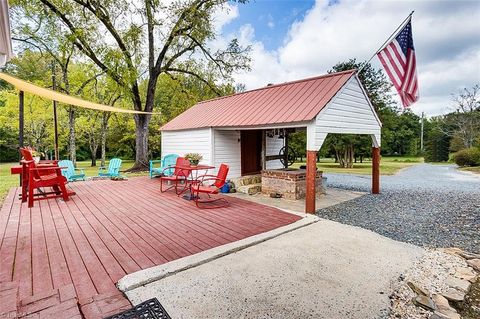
141,141
71,136
94,159
93,153
103,136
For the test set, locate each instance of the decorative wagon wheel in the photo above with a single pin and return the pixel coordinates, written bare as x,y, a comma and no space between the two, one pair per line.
291,156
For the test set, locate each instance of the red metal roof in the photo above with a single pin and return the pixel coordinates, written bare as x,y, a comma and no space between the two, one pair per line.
288,102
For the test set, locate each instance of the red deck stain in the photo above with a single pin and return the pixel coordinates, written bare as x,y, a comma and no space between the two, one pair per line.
110,229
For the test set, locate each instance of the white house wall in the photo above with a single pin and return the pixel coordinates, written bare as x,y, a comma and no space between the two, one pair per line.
349,112
227,150
188,141
273,145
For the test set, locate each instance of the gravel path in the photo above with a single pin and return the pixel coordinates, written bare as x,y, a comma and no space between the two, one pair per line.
427,205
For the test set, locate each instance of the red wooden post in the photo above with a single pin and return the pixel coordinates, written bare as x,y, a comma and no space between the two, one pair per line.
375,170
311,174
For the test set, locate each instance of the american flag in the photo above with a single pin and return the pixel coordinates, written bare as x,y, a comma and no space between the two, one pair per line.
398,59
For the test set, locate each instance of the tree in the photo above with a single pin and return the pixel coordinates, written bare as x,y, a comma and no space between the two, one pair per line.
91,131
436,141
463,125
38,112
402,133
113,33
41,32
178,94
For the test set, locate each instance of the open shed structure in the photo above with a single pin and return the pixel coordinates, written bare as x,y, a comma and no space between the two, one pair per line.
248,130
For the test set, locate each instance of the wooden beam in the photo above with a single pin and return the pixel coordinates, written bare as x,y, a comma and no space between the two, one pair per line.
55,122
375,170
21,124
285,155
264,150
21,103
311,175
273,157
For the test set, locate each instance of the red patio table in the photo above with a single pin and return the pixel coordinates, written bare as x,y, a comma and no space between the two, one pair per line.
191,169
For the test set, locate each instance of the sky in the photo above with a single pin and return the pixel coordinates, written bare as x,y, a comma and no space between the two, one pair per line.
292,40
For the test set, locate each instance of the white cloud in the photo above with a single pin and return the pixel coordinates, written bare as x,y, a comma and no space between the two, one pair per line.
224,15
270,22
445,35
265,66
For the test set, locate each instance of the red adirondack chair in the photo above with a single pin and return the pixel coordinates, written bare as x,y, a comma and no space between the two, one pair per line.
27,155
203,184
179,175
38,179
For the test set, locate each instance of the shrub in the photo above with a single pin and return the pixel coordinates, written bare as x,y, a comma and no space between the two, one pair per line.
467,157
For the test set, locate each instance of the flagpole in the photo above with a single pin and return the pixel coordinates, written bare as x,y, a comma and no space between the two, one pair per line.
386,41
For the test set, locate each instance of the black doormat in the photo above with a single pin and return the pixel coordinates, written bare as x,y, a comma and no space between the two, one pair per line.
150,309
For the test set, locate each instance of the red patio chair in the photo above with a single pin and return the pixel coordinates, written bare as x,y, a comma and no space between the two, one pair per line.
200,186
27,155
179,175
37,179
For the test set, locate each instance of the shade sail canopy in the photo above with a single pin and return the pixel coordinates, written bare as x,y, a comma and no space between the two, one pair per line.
5,38
62,98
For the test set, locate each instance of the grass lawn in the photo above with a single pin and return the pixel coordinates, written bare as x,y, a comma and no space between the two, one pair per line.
388,165
7,180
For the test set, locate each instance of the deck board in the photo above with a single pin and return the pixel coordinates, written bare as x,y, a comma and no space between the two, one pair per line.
110,229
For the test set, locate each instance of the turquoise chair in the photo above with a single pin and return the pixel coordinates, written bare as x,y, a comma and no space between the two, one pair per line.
70,172
167,161
113,168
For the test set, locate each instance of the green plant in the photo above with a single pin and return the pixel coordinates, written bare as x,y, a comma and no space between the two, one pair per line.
194,158
467,157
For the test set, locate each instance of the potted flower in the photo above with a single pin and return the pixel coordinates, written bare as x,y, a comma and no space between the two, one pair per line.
194,158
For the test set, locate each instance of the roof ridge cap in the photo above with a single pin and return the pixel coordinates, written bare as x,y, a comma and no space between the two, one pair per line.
280,84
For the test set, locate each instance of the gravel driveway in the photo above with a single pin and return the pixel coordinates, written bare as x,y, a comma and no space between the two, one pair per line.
427,205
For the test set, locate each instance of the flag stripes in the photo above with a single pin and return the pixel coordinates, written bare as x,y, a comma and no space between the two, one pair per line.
398,60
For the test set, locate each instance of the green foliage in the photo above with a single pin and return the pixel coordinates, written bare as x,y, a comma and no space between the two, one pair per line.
457,130
134,45
467,157
298,142
194,158
401,133
436,141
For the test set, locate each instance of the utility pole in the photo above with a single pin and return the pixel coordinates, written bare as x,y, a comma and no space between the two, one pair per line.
421,132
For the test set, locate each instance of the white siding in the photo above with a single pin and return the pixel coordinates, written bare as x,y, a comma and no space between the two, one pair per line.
227,150
273,145
188,141
349,112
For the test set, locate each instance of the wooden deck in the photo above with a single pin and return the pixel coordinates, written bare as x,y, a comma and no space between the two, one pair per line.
62,258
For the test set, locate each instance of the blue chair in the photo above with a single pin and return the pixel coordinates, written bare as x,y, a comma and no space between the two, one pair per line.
113,168
70,172
167,161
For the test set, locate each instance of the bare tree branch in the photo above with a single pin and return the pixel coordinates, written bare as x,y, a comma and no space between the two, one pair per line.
198,76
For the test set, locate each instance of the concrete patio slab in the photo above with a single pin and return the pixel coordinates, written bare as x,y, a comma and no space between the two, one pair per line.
149,275
333,196
323,270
